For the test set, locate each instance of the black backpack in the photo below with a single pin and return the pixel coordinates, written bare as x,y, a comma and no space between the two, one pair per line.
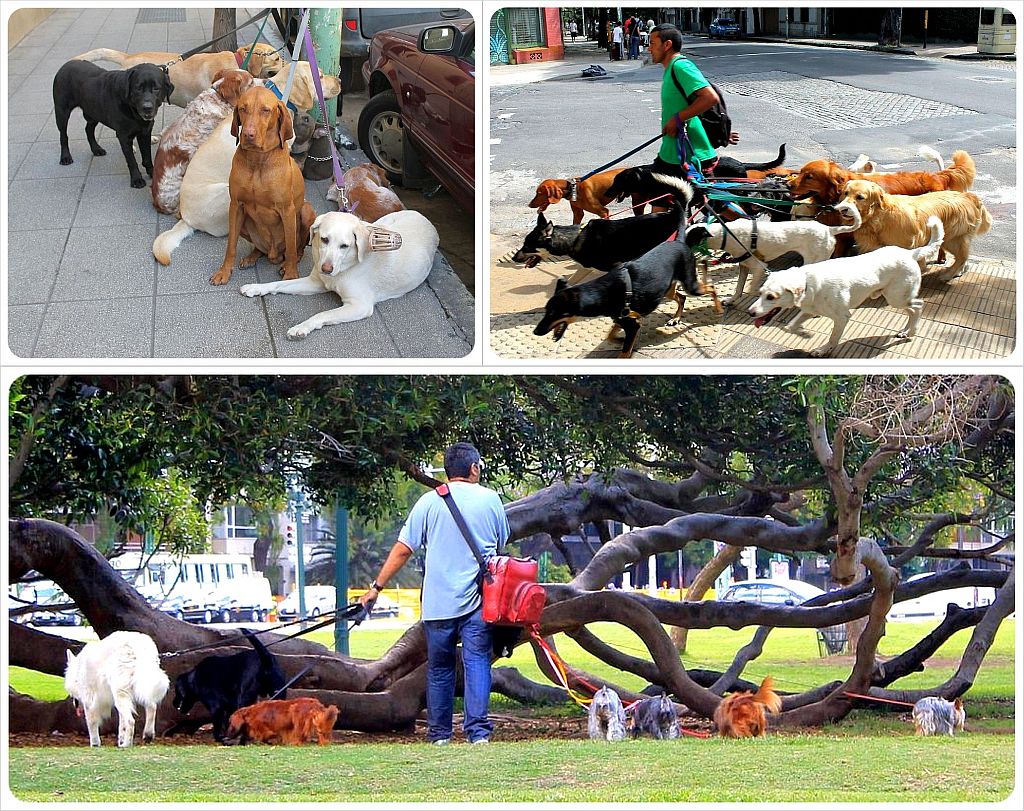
716,121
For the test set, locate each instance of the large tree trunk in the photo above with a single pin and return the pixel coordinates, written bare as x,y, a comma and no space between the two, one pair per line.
892,28
704,580
223,22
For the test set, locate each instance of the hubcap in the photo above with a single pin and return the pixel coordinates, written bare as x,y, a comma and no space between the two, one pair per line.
386,140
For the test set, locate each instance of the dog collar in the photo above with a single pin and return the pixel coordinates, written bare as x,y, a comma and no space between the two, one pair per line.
273,88
572,189
627,302
753,241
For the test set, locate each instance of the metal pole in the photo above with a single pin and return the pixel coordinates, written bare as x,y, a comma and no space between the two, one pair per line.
341,575
926,28
300,577
325,30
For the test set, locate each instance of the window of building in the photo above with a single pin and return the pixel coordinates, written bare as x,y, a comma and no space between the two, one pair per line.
524,27
239,522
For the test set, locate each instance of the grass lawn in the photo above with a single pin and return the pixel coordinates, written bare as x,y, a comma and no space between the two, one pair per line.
868,757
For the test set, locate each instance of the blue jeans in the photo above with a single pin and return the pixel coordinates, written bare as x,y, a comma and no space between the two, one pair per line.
442,637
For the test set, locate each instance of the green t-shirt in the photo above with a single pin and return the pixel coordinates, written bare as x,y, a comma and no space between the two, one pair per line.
672,102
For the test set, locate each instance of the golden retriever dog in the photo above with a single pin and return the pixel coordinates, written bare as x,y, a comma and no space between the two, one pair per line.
902,220
192,76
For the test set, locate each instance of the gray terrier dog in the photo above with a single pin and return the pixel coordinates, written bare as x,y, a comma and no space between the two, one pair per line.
606,718
655,717
936,716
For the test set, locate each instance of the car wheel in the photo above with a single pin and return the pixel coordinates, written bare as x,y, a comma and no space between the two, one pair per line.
179,615
314,613
207,616
76,619
225,615
254,615
381,135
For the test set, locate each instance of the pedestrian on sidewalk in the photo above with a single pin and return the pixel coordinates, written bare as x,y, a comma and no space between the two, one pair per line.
677,112
573,30
452,604
617,52
634,40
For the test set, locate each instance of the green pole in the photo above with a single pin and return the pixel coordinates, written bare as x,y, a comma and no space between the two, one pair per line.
325,31
341,575
300,577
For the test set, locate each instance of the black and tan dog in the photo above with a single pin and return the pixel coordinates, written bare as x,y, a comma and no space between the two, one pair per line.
631,290
127,101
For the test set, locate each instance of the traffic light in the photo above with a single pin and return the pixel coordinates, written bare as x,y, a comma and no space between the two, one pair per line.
289,534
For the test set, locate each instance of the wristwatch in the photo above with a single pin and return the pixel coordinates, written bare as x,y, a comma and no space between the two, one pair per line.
376,586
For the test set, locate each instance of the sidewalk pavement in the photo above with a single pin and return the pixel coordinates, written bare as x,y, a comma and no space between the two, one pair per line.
82,280
582,53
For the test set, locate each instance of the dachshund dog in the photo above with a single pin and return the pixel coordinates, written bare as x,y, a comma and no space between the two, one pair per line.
268,205
290,722
591,194
742,715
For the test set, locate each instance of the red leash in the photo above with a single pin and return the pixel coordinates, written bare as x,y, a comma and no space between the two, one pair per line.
875,698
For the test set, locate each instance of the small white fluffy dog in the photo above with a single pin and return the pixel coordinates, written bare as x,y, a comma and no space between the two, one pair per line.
836,287
606,717
936,716
121,670
754,243
346,262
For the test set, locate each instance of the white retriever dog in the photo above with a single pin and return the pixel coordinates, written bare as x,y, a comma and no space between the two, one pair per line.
205,197
121,670
350,259
835,287
754,243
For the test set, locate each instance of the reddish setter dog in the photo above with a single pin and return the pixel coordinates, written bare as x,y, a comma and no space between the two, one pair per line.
742,715
293,721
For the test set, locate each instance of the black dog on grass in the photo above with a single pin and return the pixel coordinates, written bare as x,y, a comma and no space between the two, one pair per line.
127,101
222,684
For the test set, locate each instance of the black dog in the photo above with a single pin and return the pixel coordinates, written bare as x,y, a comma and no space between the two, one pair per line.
638,183
127,101
600,244
222,684
633,289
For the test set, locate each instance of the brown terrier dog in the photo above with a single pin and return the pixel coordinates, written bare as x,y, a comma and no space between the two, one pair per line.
268,205
291,721
742,715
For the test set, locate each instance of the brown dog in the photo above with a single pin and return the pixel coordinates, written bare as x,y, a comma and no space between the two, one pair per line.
192,76
742,715
290,721
826,181
268,205
369,193
590,195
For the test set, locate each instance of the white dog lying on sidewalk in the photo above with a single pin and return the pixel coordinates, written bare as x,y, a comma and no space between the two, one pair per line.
362,263
836,287
120,670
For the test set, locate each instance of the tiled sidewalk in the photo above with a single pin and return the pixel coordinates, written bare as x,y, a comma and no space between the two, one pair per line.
971,317
82,281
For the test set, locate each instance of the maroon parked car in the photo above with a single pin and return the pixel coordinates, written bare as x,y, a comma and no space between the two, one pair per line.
421,80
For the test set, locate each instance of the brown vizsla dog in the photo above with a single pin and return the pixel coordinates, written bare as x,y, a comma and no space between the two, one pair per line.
590,195
268,205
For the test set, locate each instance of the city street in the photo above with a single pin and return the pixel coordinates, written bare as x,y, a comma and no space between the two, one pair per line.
822,103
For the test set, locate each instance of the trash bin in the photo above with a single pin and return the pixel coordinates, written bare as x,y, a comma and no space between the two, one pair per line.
997,31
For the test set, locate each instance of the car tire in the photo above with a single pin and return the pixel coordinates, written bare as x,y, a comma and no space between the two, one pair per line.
179,615
225,615
314,613
381,135
207,617
254,615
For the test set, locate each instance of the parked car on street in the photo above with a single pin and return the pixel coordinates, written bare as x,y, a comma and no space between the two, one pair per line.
932,605
770,592
319,600
723,28
419,119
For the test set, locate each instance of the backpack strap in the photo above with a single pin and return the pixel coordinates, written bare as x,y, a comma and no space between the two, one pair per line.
446,496
671,70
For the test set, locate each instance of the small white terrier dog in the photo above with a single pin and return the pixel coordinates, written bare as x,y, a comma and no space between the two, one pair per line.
120,670
606,718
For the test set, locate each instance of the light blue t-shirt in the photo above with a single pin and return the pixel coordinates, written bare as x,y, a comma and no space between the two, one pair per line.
450,582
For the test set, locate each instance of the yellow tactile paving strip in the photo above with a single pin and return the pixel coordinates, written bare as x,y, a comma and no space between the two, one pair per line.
972,317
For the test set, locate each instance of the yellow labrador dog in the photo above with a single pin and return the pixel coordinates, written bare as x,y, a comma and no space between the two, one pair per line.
192,76
205,198
361,263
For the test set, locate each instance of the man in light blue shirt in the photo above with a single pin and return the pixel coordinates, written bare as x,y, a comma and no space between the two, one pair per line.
452,603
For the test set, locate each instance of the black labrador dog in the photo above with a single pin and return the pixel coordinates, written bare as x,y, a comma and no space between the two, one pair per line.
222,684
127,101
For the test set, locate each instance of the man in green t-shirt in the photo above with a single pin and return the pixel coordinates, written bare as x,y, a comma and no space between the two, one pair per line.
666,42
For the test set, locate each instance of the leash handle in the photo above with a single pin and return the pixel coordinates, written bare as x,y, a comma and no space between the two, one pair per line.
620,158
321,101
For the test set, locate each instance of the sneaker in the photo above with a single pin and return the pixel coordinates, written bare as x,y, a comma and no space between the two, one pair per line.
442,742
484,741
